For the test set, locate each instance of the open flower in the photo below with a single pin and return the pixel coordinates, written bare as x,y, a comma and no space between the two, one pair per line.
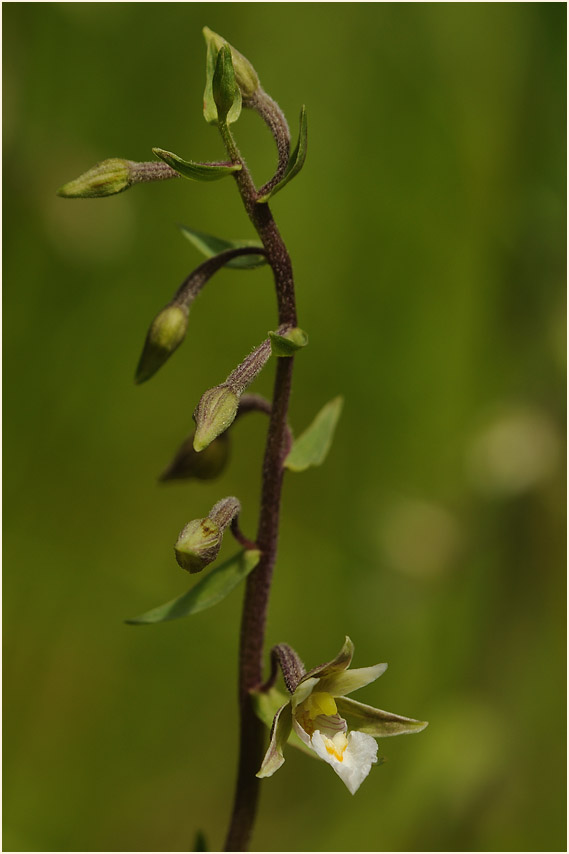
339,730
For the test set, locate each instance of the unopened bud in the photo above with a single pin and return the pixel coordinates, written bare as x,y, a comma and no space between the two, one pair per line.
166,333
198,544
104,179
200,541
245,75
226,92
214,413
203,466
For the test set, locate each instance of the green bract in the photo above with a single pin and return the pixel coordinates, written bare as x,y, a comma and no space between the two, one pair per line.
196,171
206,593
296,159
210,246
289,342
312,446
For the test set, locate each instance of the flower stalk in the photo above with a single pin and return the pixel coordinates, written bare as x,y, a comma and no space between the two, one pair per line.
317,712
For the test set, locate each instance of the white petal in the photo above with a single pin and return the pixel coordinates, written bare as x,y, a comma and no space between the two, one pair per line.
358,757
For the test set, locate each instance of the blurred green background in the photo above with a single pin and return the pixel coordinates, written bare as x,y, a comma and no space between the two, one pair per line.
427,232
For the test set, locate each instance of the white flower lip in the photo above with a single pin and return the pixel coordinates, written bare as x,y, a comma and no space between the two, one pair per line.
357,758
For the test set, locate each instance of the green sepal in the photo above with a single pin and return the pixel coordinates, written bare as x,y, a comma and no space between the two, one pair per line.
206,593
376,722
209,246
295,161
266,704
196,171
312,446
287,344
340,684
280,731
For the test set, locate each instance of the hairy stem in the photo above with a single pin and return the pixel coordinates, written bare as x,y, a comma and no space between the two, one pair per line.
259,582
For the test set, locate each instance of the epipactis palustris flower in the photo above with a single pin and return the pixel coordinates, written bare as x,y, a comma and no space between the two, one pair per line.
339,730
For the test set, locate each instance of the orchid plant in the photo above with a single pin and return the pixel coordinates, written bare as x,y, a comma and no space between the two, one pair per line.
317,715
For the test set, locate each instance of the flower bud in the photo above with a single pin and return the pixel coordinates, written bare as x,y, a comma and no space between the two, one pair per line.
104,179
166,333
226,93
245,75
214,414
206,465
200,541
198,544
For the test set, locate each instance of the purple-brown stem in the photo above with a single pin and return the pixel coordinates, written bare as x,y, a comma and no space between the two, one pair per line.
259,581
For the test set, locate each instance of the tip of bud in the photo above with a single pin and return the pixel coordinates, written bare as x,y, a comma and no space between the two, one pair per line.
198,544
166,333
245,75
214,413
104,179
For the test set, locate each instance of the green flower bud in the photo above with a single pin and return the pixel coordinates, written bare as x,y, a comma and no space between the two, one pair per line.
214,414
245,75
226,93
166,333
104,179
198,544
206,465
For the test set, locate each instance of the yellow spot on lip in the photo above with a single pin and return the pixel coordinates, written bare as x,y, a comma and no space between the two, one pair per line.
336,746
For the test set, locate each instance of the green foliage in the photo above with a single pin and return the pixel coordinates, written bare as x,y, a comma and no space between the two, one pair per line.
312,446
206,593
210,246
296,160
196,171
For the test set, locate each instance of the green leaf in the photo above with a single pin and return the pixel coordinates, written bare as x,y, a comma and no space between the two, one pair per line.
266,704
289,343
209,246
312,446
206,593
296,159
196,171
